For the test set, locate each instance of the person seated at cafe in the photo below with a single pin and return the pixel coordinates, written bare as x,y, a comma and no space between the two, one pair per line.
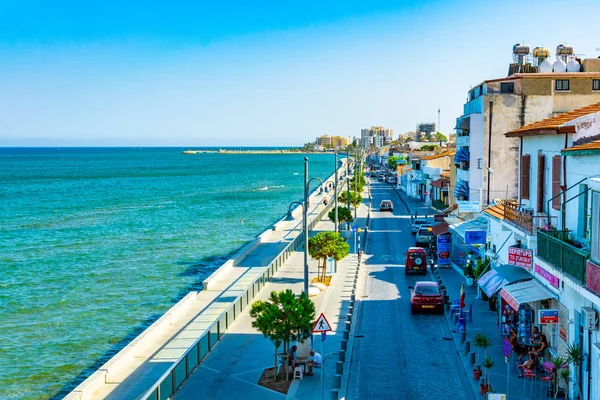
529,364
539,352
514,343
292,357
535,335
313,361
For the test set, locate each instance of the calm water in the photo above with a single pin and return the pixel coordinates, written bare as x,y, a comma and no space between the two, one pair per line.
97,243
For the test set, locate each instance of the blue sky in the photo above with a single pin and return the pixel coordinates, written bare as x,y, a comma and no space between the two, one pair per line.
257,73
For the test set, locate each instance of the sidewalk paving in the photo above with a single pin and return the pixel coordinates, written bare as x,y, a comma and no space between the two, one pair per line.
237,362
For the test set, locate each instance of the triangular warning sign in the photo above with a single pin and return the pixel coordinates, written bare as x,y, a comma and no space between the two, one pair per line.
322,325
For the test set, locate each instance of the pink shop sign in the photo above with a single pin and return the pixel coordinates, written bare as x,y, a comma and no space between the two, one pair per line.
546,275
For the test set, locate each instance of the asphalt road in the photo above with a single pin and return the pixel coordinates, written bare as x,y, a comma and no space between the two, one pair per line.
399,355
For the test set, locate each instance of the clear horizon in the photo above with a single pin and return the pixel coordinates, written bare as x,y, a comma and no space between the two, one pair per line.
250,75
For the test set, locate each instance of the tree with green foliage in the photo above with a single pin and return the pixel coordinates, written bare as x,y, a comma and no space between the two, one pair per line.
355,198
575,356
393,162
325,245
284,318
344,215
440,137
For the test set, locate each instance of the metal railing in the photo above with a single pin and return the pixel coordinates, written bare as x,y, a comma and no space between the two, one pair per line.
519,216
552,247
181,369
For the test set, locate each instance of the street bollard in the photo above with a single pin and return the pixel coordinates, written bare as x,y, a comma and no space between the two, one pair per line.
350,309
463,336
439,282
342,354
454,319
347,325
467,347
337,381
472,358
349,317
335,394
345,344
351,303
346,335
352,297
447,305
339,367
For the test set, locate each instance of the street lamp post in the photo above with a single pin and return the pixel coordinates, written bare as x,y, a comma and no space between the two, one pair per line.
348,188
335,189
305,225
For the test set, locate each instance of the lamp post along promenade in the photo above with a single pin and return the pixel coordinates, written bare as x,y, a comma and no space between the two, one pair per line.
305,225
335,191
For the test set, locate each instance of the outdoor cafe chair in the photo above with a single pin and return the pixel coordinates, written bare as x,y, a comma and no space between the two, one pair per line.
469,312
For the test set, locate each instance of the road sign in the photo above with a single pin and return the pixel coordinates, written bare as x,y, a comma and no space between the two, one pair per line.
506,347
359,230
321,325
354,228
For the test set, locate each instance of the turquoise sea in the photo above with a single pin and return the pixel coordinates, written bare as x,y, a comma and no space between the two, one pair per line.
96,243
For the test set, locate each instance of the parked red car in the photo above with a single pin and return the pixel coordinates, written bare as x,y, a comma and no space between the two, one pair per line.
426,296
416,261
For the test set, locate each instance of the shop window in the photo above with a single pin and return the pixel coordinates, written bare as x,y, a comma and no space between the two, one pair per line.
561,85
507,87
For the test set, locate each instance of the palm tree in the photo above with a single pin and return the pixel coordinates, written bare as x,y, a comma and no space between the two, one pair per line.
481,341
575,356
488,364
557,364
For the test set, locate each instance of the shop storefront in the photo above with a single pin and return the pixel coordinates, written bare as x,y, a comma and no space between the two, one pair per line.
462,248
528,304
498,277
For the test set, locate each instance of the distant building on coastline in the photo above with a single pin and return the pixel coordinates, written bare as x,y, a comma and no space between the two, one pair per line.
327,141
377,136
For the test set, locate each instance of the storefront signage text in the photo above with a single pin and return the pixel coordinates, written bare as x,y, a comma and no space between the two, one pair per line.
514,304
546,275
548,316
443,249
475,236
520,257
468,206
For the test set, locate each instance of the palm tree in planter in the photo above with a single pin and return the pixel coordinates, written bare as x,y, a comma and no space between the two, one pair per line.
488,364
284,318
324,245
575,356
482,342
557,364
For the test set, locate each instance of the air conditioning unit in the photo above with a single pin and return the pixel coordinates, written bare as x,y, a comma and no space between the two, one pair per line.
590,318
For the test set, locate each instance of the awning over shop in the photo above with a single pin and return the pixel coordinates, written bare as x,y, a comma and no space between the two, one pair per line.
440,229
462,122
439,183
462,155
461,189
525,292
500,276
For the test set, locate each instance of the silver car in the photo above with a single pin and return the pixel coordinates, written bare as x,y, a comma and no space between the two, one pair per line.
425,235
417,224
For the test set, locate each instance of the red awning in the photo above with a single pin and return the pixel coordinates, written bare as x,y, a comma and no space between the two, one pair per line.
440,183
440,229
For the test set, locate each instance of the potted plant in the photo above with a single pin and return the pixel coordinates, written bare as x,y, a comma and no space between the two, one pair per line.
482,342
488,364
468,272
576,358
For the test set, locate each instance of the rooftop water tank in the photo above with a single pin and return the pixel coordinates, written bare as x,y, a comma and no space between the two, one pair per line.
541,52
563,49
573,66
559,66
521,49
545,66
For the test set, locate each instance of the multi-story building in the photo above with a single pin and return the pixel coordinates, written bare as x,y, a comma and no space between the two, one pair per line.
551,232
425,130
324,141
436,173
486,160
339,141
369,136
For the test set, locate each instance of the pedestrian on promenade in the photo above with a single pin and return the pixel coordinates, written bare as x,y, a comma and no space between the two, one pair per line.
313,361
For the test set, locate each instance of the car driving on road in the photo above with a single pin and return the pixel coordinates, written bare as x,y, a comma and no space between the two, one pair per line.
424,235
426,296
417,224
386,205
416,261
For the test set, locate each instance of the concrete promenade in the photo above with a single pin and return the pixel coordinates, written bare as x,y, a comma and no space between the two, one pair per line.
132,371
233,368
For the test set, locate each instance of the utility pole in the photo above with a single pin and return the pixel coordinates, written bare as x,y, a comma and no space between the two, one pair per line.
305,225
348,188
335,193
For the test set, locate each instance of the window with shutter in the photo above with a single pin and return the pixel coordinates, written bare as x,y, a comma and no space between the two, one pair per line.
540,182
556,169
525,167
595,234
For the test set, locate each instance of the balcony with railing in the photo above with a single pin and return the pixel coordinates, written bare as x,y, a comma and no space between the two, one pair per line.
555,247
